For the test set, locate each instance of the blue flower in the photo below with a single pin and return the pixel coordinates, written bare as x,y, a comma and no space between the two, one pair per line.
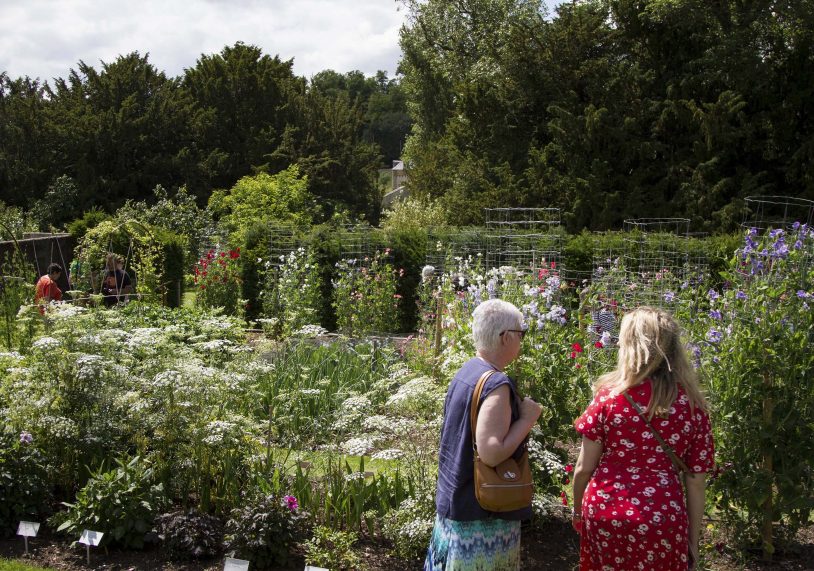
802,294
714,336
669,296
713,295
715,314
740,295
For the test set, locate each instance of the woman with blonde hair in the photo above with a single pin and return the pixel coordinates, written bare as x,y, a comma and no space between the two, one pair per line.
647,423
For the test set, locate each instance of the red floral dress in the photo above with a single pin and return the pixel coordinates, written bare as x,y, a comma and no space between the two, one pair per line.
634,513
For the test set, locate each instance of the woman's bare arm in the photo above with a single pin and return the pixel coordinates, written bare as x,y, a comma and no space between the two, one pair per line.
496,436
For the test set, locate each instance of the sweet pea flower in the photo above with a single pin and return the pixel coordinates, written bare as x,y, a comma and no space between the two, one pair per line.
714,336
26,437
291,503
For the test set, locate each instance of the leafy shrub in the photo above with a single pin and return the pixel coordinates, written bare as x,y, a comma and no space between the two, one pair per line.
264,530
332,549
23,481
365,295
122,503
292,294
189,534
90,219
217,277
410,526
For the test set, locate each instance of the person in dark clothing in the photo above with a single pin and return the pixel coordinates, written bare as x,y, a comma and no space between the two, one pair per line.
116,285
466,536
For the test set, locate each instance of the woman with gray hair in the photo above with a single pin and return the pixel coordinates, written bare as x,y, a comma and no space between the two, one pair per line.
465,535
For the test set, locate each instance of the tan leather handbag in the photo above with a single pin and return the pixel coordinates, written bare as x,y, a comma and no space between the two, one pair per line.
507,486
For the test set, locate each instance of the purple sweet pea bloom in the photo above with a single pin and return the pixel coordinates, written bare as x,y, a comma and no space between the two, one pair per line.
714,336
715,314
802,294
669,296
740,295
713,295
26,437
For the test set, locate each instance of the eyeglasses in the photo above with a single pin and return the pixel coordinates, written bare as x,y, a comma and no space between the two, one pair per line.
522,332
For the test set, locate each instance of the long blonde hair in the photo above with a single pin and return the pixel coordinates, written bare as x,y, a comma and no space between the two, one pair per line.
650,346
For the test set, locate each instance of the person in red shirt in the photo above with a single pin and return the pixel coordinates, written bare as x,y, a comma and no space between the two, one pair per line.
47,288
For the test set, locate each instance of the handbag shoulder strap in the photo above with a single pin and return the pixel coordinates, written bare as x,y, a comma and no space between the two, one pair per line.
473,411
677,462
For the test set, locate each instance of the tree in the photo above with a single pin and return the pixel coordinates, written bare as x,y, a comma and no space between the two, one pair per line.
120,131
264,199
243,104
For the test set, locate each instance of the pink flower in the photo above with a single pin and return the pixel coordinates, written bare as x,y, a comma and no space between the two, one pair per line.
291,503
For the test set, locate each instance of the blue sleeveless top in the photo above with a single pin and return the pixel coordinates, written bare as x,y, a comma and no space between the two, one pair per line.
455,493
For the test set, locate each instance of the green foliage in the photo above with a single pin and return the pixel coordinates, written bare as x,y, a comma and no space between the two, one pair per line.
59,204
90,219
409,247
217,279
607,110
264,199
264,531
14,222
6,565
292,296
414,214
24,489
365,294
332,549
189,534
122,503
179,214
16,289
409,526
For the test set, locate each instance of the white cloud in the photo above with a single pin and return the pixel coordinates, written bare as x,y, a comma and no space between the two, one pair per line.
45,38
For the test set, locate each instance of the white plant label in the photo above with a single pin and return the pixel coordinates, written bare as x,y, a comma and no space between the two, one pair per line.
235,564
28,529
91,538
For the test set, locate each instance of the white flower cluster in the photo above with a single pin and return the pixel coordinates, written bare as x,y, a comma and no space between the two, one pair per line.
418,392
356,404
358,446
388,454
89,367
168,378
311,331
46,344
215,345
218,430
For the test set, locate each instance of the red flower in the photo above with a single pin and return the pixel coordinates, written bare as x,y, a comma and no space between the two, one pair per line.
578,366
568,480
553,265
564,498
223,254
569,468
598,344
234,254
203,286
576,347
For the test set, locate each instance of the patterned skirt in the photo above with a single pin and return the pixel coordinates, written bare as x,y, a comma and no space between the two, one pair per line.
481,545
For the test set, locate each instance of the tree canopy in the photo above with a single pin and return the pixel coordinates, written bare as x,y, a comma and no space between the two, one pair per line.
610,109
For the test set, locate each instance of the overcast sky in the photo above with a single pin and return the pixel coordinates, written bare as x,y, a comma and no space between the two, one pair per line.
46,38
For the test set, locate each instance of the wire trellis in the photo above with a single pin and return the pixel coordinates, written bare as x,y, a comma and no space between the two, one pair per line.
765,212
523,238
282,241
444,247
